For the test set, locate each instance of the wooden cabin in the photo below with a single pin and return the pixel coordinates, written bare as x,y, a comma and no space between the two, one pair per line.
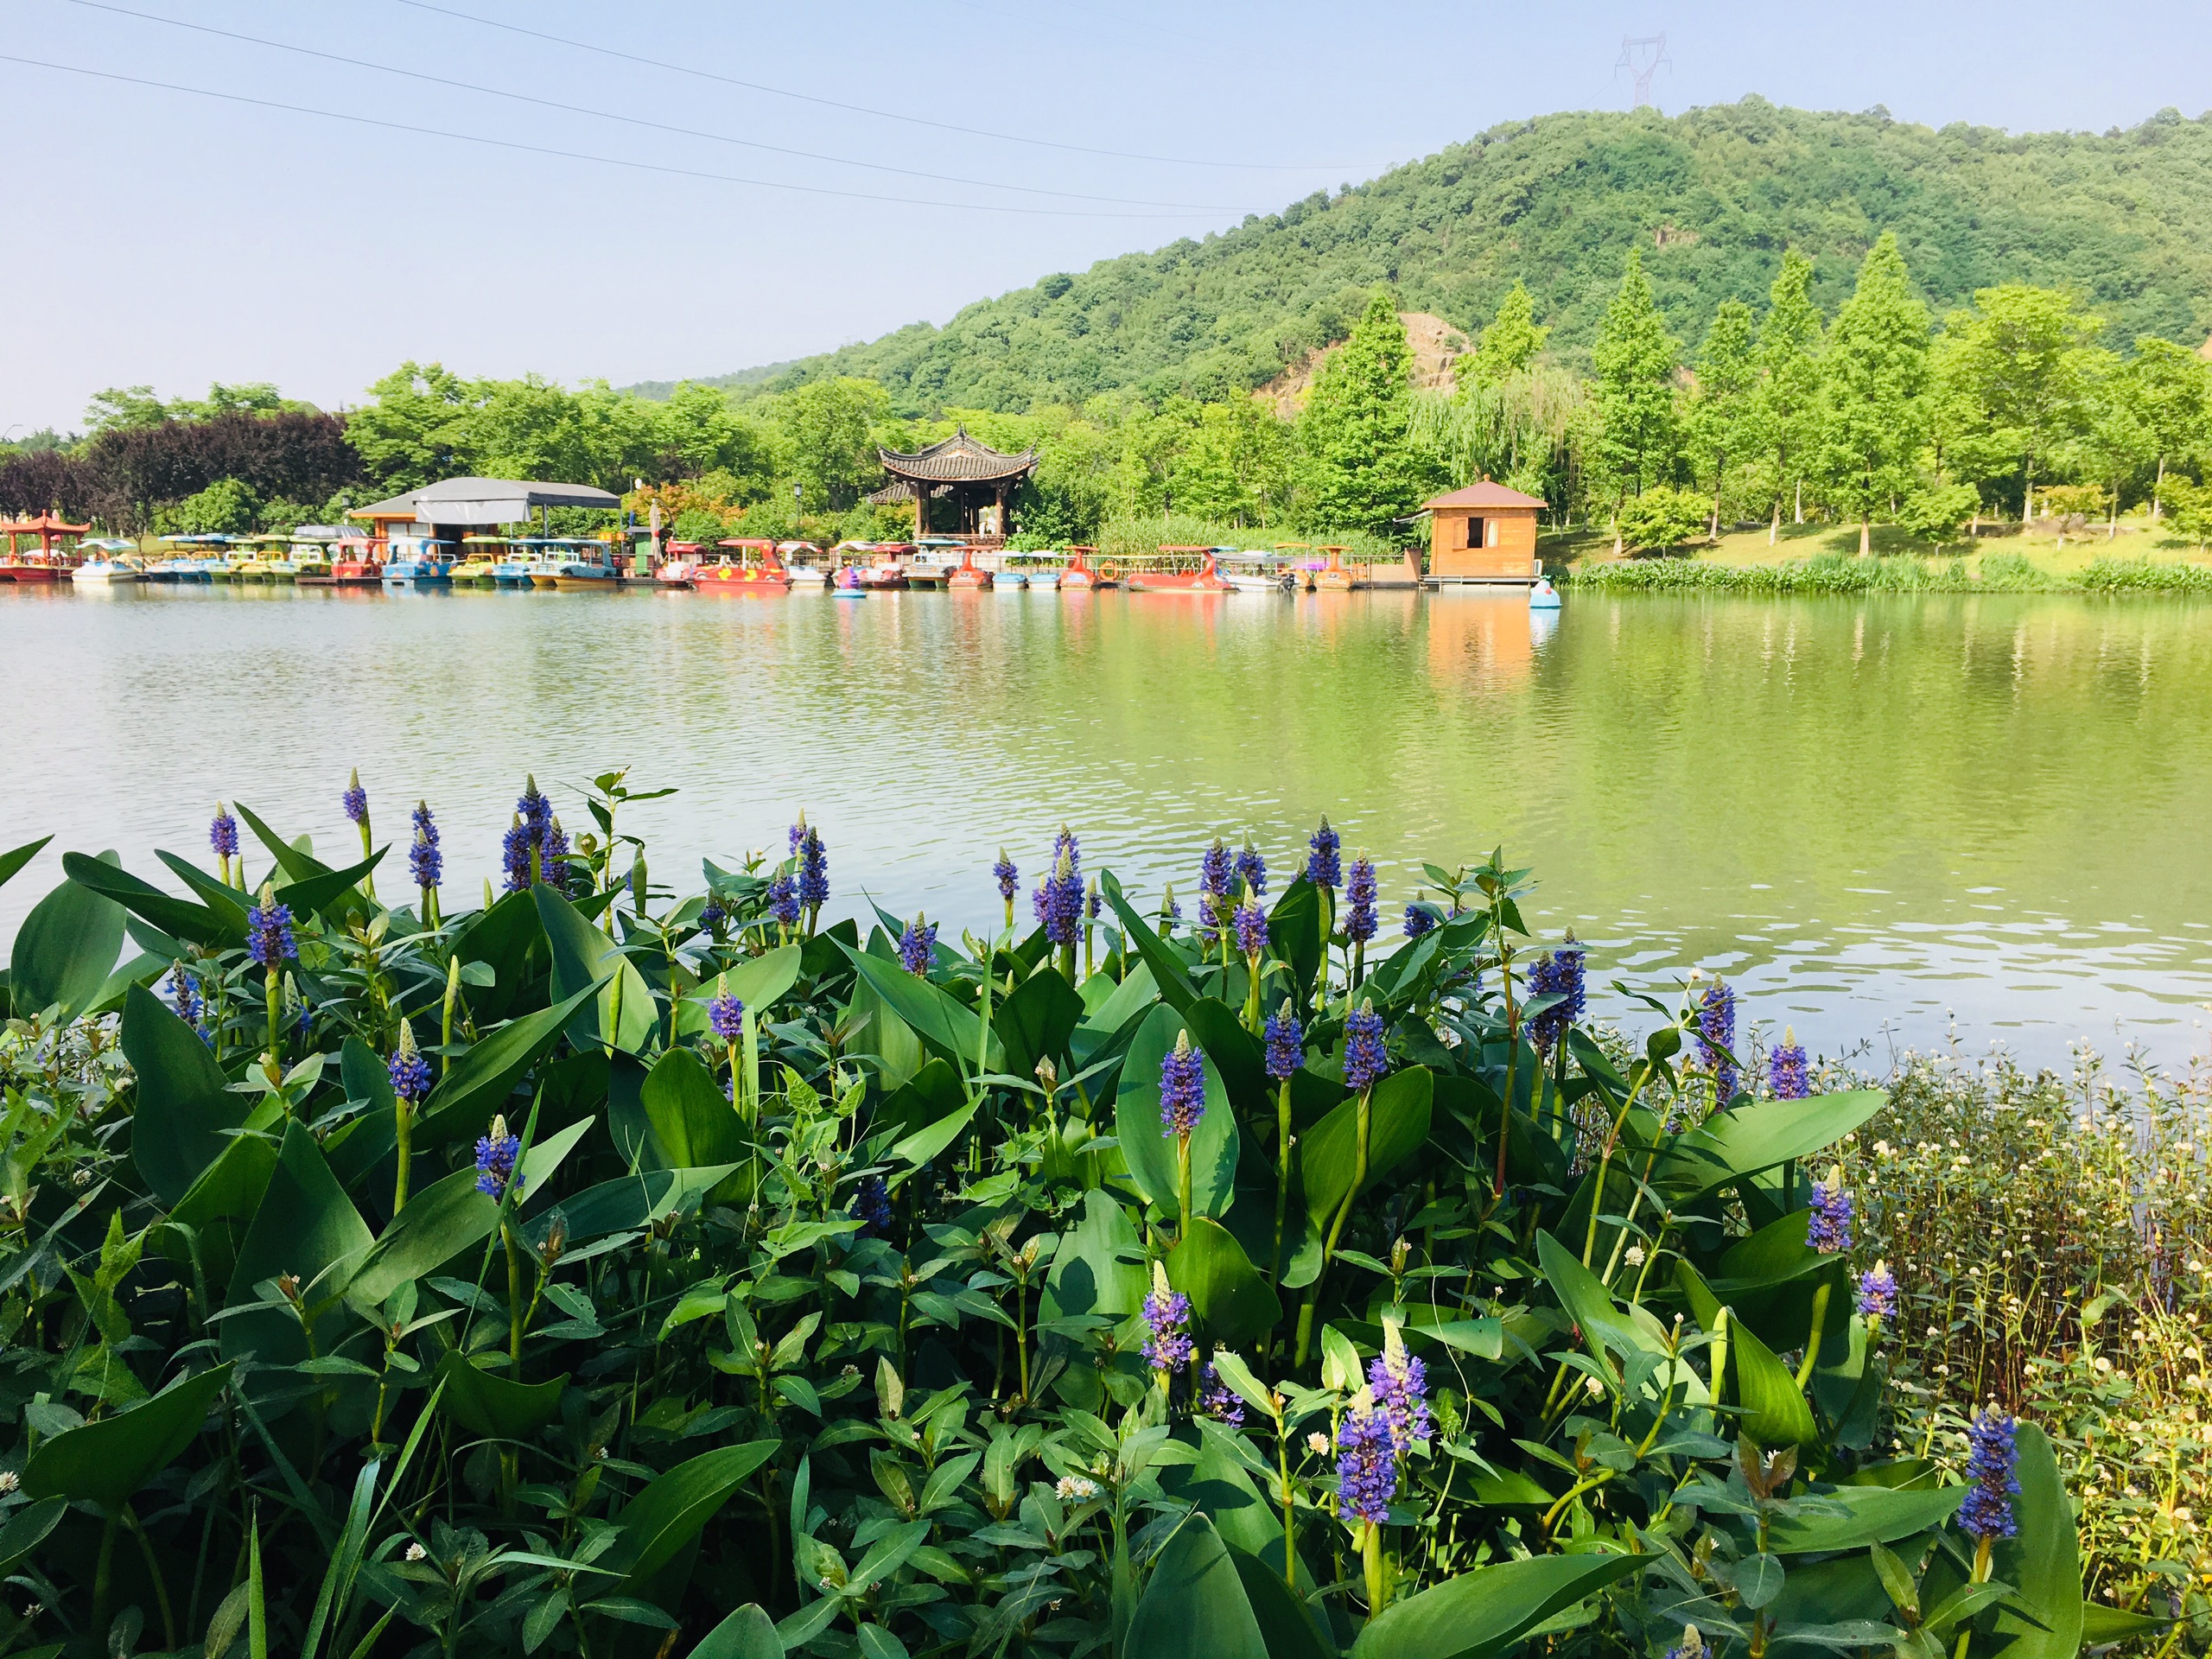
1483,533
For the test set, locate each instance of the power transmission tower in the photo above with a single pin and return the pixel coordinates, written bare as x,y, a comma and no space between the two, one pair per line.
1643,56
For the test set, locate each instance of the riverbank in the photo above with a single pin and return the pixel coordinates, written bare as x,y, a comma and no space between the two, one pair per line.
2134,557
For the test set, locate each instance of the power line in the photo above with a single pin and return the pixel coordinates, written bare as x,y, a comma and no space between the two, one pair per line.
629,120
572,155
863,109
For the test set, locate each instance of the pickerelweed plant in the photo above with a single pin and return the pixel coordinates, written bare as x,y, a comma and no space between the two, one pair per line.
608,1272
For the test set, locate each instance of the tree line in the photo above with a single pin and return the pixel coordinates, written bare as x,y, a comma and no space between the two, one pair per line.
1880,414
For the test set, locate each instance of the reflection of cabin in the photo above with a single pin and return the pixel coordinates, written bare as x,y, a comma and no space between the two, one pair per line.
976,479
1483,533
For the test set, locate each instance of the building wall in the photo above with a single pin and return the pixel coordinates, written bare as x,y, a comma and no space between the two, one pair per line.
1508,547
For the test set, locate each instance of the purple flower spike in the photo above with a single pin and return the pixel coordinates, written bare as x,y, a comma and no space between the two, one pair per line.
1367,1463
813,872
1214,872
1560,974
355,800
1361,922
409,1072
1877,1292
1716,1037
1167,1314
495,1161
1786,1071
1251,868
425,861
872,1205
1217,1399
1284,1037
725,1014
1993,1467
222,832
269,931
1060,898
184,993
1420,919
1170,912
1005,876
918,946
1364,1061
1324,865
1182,1088
1829,1229
783,899
1251,930
1399,1384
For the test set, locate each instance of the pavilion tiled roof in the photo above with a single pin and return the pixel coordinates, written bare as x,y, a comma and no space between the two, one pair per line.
957,459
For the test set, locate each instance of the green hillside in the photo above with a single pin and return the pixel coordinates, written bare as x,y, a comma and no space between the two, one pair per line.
1714,197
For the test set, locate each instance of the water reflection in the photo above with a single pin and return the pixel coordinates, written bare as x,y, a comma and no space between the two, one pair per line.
1869,812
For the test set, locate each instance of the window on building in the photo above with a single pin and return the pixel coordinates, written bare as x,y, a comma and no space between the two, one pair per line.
1474,533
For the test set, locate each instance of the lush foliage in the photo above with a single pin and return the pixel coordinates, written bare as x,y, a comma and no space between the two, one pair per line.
1228,1284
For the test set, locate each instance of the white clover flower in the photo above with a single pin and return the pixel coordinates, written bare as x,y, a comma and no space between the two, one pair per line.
9,1480
1318,1444
1592,1387
416,1552
1074,1489
1634,1255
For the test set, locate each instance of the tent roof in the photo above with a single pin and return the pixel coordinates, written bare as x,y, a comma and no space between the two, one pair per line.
484,501
1484,494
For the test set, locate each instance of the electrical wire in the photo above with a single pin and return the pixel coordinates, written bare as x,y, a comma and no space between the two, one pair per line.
863,109
631,120
573,155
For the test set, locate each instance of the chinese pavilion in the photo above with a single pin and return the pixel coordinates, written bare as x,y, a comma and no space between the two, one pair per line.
977,479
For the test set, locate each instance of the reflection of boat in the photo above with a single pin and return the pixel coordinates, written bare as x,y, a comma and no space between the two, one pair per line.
1078,575
1182,576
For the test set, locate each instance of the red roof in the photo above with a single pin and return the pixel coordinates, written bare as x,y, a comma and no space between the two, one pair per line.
1484,494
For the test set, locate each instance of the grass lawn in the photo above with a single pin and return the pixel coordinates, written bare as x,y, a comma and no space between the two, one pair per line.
1748,547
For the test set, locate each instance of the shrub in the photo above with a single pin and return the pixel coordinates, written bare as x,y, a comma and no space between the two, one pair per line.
1663,517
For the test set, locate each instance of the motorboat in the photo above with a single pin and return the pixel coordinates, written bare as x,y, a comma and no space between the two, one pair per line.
1188,570
1542,596
1256,573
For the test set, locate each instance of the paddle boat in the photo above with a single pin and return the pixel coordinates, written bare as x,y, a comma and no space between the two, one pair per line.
968,577
309,551
580,565
418,562
190,562
481,557
355,561
1335,577
675,570
1256,573
1542,596
1023,571
749,566
266,559
1182,574
110,560
1078,575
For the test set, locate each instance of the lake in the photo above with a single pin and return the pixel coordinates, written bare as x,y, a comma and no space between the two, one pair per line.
1875,814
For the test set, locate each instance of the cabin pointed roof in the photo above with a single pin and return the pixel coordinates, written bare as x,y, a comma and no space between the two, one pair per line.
1484,494
958,459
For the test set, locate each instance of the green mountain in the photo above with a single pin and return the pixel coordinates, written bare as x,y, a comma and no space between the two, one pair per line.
1714,197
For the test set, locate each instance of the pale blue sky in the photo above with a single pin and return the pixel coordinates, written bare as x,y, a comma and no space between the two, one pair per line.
196,239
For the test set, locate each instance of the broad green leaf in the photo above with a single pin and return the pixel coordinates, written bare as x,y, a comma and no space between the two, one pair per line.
219,1208
1286,1624
1168,973
105,1462
1194,1606
1733,1145
296,862
439,1223
1233,1302
925,1144
624,1014
481,1079
693,1124
26,1529
1877,1515
1098,1268
669,1512
630,1201
2101,1625
498,1407
1036,1022
15,858
1398,1127
1775,1412
1486,1612
1149,1153
2044,1560
748,1633
759,981
308,1228
1220,1483
946,1026
335,895
65,950
178,918
184,1103
510,940
1294,930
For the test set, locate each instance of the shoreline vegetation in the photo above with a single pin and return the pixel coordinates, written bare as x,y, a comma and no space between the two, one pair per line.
706,1269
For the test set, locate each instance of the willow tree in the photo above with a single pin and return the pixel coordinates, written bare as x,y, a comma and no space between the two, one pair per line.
1874,388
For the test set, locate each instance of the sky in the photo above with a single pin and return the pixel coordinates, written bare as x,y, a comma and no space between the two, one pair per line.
675,187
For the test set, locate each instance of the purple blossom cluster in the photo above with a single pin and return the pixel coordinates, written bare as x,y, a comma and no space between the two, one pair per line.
918,946
1993,1468
426,862
1716,1038
1786,1070
1364,1061
1285,1044
355,800
1215,878
872,1206
1367,1463
408,1071
1360,921
1324,865
1251,868
1877,1292
269,932
534,830
495,1161
1420,919
1007,877
222,832
1182,1088
1217,1399
1168,1315
1828,1231
725,1014
1561,974
1399,1384
783,899
712,916
813,869
184,996
1251,923
1058,899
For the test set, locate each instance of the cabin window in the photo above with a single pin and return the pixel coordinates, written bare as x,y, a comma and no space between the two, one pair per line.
1474,532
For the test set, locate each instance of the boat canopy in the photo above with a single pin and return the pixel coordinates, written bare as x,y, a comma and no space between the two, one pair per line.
484,501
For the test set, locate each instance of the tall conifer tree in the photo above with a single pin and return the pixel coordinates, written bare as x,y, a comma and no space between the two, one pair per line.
1362,468
1790,382
1874,401
1723,414
1632,401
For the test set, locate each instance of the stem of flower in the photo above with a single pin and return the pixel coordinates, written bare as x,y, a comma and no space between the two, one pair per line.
404,1117
1183,1181
1282,1173
1813,1336
1336,1231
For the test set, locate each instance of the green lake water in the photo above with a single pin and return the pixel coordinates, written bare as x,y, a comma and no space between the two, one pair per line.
1875,814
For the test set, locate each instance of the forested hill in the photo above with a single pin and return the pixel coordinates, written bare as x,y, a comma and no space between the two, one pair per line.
1714,197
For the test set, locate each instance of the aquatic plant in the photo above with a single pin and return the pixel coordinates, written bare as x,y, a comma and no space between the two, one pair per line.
707,1286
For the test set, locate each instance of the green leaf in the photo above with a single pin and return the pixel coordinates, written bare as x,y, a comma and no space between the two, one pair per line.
629,1201
1284,1625
308,1227
748,1633
1098,1268
673,1507
1233,1302
1151,1155
1484,1612
64,950
2101,1625
925,1144
1398,1126
1294,932
496,1407
184,1103
1876,1515
1168,970
693,1125
1758,1579
15,858
439,1223
585,959
2044,1560
178,918
1731,1145
333,896
1194,1606
26,1528
946,1027
759,981
105,1462
1036,1022
1775,1412
1605,1328
219,1208
481,1079
297,864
